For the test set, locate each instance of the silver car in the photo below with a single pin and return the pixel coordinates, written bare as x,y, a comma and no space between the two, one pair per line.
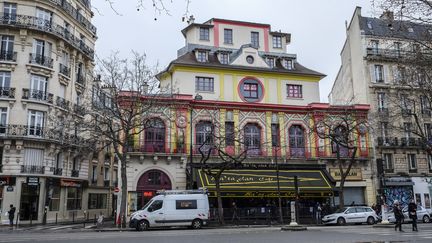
355,215
422,215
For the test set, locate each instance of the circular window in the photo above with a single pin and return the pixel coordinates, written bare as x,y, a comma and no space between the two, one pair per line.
251,89
249,59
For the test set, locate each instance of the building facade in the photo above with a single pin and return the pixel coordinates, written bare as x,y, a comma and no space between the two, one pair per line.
374,57
236,78
46,63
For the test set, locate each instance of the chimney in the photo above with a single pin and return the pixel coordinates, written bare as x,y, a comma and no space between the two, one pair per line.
387,15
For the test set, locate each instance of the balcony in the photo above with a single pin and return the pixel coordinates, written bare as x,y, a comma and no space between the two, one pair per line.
411,142
65,70
75,173
387,142
392,54
39,95
8,56
32,22
79,110
62,103
80,79
6,92
32,169
41,60
57,171
32,132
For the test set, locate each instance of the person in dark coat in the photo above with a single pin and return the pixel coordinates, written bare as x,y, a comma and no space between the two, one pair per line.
11,214
398,215
412,213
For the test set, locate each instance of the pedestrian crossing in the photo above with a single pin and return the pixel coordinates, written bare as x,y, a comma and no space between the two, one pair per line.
408,234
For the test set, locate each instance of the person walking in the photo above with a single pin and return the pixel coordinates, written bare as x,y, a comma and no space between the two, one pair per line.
398,215
318,211
11,214
235,213
412,213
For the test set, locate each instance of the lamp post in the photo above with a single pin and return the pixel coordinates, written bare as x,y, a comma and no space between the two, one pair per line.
278,187
196,98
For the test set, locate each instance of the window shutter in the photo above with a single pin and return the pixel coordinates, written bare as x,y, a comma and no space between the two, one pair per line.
372,72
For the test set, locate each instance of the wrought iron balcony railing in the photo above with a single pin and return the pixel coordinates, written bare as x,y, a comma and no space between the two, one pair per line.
106,183
34,94
41,60
393,54
65,70
80,79
6,92
32,169
75,173
62,103
57,171
32,22
387,142
8,56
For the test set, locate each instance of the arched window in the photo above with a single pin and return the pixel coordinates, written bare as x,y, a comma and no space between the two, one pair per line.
154,140
252,137
297,141
340,138
203,134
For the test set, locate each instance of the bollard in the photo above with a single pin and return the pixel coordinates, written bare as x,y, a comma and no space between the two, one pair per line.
16,223
84,218
115,217
31,221
94,219
56,218
73,217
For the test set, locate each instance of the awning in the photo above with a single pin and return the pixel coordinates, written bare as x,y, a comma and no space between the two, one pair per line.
263,183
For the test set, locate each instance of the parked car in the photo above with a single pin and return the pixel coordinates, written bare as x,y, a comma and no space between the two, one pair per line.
423,215
348,215
173,208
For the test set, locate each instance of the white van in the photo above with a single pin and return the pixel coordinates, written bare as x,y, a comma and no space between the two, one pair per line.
173,208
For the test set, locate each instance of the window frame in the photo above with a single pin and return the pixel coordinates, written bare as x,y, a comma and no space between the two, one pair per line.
379,73
388,162
201,56
277,41
204,84
229,133
249,92
228,36
255,39
74,202
412,160
294,91
204,33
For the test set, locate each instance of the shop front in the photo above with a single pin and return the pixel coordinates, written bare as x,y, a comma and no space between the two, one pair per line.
354,186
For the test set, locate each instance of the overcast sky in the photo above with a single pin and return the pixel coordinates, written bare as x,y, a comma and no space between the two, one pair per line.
317,28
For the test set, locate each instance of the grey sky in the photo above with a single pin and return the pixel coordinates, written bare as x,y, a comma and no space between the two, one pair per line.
317,28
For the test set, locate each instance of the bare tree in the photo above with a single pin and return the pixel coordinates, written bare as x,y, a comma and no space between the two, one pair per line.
125,94
343,129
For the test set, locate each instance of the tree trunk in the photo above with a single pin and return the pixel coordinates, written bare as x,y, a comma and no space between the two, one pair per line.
124,192
341,194
219,201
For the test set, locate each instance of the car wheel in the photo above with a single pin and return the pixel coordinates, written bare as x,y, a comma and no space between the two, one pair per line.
196,224
426,219
341,221
142,225
370,220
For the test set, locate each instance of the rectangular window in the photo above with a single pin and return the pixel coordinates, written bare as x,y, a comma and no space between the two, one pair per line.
59,160
294,91
186,204
427,131
250,90
73,198
204,33
384,130
229,133
43,18
430,162
397,48
7,47
425,105
277,41
381,102
405,104
5,79
106,173
201,56
379,73
97,201
407,130
35,123
270,61
224,58
275,135
3,120
54,198
33,157
255,39
288,64
9,12
388,162
204,84
38,87
75,164
375,45
228,36
412,162
94,173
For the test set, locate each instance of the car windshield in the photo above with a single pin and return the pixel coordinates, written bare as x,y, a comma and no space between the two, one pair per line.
147,204
341,210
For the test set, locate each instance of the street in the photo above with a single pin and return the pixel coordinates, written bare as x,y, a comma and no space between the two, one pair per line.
322,234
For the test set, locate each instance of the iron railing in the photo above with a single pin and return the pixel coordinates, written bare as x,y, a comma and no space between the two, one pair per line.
7,92
62,103
8,56
32,169
79,109
65,70
393,54
75,173
57,171
80,79
34,94
32,22
41,60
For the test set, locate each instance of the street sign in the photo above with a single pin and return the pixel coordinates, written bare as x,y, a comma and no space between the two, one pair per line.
116,190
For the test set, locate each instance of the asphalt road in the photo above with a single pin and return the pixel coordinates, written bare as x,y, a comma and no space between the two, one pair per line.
361,234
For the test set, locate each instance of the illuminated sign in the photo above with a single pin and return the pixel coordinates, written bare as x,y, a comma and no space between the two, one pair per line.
148,194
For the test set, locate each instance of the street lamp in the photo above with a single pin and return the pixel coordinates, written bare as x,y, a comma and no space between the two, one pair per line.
196,98
278,186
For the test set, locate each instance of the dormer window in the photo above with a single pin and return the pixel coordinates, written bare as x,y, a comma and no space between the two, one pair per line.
201,56
255,39
204,33
224,58
288,64
270,61
277,41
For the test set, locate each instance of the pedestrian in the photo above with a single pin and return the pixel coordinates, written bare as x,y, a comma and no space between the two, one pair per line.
235,215
11,214
100,221
412,213
398,215
318,211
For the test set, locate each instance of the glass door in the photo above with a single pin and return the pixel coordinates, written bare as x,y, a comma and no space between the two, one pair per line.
29,206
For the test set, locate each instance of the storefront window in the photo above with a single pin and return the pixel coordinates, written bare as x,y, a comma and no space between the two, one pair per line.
54,198
97,201
74,198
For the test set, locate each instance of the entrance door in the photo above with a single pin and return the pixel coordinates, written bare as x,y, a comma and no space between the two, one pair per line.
29,202
149,183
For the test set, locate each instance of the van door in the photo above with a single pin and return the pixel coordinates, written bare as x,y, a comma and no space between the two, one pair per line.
156,213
